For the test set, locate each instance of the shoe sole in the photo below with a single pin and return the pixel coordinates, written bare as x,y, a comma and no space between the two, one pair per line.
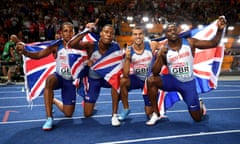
151,124
121,119
161,117
46,129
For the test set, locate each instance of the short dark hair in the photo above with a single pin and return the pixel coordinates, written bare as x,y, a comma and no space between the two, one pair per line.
66,23
108,25
138,27
169,24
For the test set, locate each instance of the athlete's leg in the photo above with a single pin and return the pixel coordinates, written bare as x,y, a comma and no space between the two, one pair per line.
147,106
191,98
68,97
124,85
92,96
51,83
153,84
66,109
198,115
88,108
148,111
115,100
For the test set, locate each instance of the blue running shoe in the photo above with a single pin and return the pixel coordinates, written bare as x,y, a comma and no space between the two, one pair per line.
48,124
124,114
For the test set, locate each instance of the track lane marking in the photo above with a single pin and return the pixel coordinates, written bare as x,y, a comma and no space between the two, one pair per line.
171,137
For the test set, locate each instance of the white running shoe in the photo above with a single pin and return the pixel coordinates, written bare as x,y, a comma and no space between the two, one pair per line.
115,121
153,120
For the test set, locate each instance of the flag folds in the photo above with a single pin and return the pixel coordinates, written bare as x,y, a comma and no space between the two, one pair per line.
109,66
37,70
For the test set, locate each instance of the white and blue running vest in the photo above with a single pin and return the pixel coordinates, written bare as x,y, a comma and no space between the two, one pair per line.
180,63
141,62
62,63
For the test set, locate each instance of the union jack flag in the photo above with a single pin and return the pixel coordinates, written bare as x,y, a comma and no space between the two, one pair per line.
37,70
207,66
109,66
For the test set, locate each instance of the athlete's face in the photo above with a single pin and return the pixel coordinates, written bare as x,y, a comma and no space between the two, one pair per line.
107,34
137,36
171,32
67,32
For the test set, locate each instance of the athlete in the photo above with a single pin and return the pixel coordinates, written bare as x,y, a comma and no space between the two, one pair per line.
178,53
136,65
95,81
61,79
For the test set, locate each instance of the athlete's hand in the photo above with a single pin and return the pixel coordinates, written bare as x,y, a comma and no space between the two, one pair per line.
221,22
92,26
162,51
154,46
128,53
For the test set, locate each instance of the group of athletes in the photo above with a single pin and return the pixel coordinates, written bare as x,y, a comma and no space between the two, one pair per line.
136,60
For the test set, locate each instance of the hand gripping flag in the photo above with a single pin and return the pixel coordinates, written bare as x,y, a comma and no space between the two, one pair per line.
207,66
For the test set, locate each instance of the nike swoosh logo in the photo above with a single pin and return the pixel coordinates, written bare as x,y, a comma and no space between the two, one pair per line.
193,106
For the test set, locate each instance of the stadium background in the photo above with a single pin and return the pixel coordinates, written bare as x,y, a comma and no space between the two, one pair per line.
40,20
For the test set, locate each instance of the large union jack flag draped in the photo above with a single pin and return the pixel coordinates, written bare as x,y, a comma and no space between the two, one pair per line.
207,66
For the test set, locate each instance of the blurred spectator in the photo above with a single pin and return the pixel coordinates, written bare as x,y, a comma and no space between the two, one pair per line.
10,59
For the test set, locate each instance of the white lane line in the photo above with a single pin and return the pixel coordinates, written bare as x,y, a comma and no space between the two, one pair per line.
102,116
109,102
134,92
106,94
172,137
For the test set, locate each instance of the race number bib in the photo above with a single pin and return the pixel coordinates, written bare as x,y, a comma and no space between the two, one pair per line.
141,69
181,70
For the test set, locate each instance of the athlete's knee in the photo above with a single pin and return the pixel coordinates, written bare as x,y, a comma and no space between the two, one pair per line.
196,115
88,109
87,114
50,81
150,80
124,81
68,114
